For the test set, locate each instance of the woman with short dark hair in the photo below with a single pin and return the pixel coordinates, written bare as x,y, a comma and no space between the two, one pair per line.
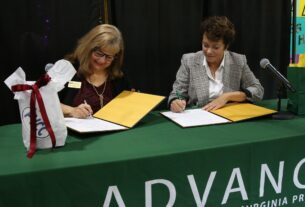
214,76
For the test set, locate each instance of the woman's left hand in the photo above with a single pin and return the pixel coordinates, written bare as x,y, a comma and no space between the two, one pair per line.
216,103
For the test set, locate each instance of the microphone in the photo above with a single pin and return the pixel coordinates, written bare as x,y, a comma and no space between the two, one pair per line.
48,66
265,64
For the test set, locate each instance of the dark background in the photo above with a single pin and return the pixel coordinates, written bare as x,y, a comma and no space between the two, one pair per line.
156,33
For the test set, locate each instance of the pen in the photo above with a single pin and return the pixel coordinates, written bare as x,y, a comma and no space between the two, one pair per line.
180,97
90,115
178,94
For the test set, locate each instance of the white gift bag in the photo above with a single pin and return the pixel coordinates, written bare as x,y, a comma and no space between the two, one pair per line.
43,124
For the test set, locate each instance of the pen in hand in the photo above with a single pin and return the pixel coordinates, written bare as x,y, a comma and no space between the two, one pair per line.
90,114
181,98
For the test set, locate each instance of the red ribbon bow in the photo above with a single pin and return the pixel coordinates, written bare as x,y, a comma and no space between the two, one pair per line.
42,81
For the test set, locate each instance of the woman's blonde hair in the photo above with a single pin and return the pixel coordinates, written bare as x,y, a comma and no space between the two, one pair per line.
101,36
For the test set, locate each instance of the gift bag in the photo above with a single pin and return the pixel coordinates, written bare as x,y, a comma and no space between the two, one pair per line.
296,100
43,124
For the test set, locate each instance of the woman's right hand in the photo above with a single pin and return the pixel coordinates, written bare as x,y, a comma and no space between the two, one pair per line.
178,105
82,111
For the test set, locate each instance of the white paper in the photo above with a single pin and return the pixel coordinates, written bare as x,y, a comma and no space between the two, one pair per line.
194,117
61,72
18,77
91,125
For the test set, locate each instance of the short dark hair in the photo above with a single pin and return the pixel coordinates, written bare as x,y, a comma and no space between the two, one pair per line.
218,28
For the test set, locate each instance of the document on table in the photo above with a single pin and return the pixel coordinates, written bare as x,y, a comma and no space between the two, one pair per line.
90,125
242,111
121,113
128,108
194,117
231,112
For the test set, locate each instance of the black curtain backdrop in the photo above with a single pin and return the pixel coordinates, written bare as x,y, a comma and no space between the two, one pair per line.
156,33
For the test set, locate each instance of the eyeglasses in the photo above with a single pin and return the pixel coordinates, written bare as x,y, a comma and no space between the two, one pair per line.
99,54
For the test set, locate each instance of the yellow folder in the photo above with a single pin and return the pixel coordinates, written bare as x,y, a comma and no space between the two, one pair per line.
128,108
242,111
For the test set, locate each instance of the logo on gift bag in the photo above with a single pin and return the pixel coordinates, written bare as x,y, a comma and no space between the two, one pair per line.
41,131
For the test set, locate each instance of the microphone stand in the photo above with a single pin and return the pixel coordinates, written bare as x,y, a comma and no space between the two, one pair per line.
281,115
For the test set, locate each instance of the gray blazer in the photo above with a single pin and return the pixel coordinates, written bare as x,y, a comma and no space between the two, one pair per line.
192,80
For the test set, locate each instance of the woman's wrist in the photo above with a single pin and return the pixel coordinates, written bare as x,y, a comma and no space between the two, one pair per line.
67,110
238,96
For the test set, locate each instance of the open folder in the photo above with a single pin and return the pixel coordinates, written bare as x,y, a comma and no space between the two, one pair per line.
123,112
231,112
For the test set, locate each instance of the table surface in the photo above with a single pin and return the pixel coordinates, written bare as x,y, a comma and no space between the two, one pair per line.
152,137
83,172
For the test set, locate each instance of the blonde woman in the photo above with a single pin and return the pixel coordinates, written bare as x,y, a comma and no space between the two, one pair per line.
98,57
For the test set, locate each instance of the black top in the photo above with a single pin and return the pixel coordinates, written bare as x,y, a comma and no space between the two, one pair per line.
68,95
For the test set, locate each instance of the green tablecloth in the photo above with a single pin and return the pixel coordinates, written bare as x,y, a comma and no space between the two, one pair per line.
258,162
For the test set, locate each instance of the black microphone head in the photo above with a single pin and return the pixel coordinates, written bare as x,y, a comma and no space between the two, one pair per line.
264,62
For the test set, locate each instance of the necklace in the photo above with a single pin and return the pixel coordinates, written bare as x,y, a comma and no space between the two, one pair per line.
100,95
